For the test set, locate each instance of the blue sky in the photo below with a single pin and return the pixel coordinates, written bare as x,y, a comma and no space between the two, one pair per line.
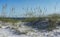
19,4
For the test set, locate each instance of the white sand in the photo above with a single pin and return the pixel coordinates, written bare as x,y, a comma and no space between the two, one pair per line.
8,32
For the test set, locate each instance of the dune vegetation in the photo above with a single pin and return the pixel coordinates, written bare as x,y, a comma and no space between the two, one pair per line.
32,17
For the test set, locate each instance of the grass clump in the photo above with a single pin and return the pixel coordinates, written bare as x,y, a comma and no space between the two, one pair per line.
9,20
